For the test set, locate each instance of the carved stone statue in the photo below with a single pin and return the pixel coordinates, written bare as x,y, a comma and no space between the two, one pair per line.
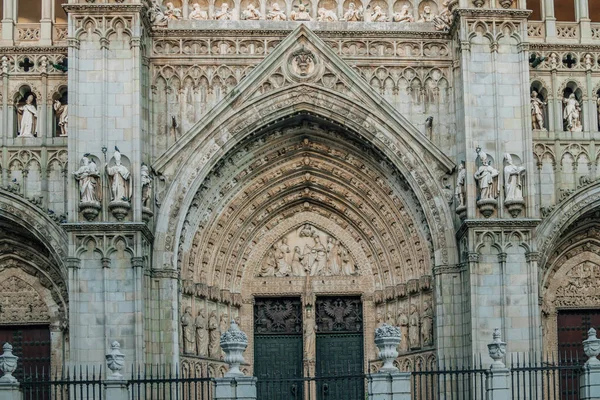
389,318
214,350
403,15
325,15
251,13
486,177
198,14
571,113
413,328
302,14
201,334
513,180
378,15
120,179
172,12
537,113
461,188
402,322
62,116
310,329
187,327
427,325
156,15
426,15
443,21
27,123
88,177
353,14
146,181
223,14
275,14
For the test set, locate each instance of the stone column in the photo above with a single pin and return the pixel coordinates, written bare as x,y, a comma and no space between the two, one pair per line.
583,16
589,382
46,24
549,18
8,22
497,383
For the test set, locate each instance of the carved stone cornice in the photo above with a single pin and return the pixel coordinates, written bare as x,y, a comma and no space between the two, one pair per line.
34,50
491,13
448,269
498,224
165,273
532,256
563,47
102,8
109,227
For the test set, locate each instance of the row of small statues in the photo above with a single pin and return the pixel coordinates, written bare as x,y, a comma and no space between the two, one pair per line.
416,330
161,16
201,335
571,112
27,117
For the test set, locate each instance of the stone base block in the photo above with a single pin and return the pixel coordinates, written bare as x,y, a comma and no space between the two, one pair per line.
498,384
10,391
590,383
390,386
235,388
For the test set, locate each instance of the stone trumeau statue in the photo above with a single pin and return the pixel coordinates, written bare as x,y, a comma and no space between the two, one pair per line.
187,327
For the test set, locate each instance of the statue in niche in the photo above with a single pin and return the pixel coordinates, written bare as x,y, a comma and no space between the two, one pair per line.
275,14
302,14
402,322
27,123
513,180
201,334
389,318
120,179
223,14
310,331
378,15
571,113
404,15
354,14
156,14
325,15
88,177
427,325
461,188
187,327
62,116
487,178
426,15
251,13
443,21
172,12
198,14
146,181
214,336
537,111
413,328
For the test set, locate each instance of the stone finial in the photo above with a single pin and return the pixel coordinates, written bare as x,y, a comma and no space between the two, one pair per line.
115,360
591,346
497,350
8,364
387,339
233,342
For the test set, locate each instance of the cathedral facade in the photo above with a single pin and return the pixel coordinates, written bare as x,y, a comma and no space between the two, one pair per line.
310,170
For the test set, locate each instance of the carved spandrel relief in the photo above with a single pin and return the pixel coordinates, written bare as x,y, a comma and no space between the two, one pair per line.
21,303
308,251
581,284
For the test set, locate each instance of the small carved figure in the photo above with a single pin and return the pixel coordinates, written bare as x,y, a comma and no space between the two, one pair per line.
156,14
353,14
571,113
187,327
537,113
27,124
120,179
378,15
88,177
443,21
325,15
413,328
389,318
251,13
172,12
224,322
310,329
402,322
426,15
553,61
513,180
403,15
62,116
146,181
197,13
303,14
461,181
427,325
201,334
486,177
275,14
223,14
589,61
213,336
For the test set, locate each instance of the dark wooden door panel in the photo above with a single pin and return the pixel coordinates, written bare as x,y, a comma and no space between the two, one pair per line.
31,344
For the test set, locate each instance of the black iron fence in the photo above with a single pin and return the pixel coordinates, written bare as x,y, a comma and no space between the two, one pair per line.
346,386
168,383
69,383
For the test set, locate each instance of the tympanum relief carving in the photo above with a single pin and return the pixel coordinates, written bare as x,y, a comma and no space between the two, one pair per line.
581,283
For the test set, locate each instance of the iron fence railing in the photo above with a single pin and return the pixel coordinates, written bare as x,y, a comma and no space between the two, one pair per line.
328,387
69,383
168,383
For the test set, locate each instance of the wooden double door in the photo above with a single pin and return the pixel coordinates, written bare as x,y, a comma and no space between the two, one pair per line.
31,343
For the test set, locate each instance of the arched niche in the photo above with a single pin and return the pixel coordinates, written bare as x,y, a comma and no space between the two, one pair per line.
542,95
60,112
25,106
572,107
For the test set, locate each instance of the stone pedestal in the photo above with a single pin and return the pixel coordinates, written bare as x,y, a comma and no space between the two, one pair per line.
589,382
238,388
10,391
116,390
497,384
390,386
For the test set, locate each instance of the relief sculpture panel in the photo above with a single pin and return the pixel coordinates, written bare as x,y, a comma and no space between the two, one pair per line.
307,250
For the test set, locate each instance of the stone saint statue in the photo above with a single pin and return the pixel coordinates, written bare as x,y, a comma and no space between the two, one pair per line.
571,113
251,13
378,15
403,16
325,15
426,15
27,122
461,188
120,179
187,327
62,116
172,12
223,14
303,14
413,328
276,14
486,177
427,325
354,14
197,14
537,113
513,180
402,322
201,334
214,336
146,181
310,331
156,14
88,177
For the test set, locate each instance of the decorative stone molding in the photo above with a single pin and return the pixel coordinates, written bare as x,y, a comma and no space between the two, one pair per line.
8,364
234,342
387,339
497,350
115,361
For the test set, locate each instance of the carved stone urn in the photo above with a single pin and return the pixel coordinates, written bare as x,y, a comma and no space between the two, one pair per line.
497,350
515,207
115,361
234,343
8,364
387,340
591,347
506,3
90,209
119,208
487,207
